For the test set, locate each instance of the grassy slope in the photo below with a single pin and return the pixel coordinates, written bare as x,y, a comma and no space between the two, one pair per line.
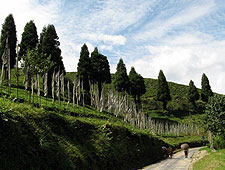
37,138
213,161
179,109
47,139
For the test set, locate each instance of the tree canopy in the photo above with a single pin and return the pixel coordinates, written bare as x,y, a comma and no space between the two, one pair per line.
84,67
49,47
121,80
29,38
193,94
100,69
9,31
137,85
163,93
215,117
206,88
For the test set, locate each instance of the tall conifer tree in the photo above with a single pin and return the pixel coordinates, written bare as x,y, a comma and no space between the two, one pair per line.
121,81
29,38
100,69
9,31
49,46
193,94
137,85
163,89
206,88
84,70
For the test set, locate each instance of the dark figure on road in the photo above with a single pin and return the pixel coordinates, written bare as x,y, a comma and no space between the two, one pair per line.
165,153
170,152
185,147
186,153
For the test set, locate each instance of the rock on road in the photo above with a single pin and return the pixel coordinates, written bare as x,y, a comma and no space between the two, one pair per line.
178,162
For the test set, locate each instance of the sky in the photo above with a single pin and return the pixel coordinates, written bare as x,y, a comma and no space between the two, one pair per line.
184,38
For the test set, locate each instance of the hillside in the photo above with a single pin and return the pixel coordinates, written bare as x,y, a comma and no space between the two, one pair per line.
41,138
178,107
39,134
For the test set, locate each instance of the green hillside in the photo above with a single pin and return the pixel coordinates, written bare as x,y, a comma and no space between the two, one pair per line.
46,135
41,138
178,107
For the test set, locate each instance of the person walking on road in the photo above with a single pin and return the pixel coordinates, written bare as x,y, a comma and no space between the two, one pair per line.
185,147
170,152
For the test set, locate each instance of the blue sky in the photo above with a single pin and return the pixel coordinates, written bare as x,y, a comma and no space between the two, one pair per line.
184,38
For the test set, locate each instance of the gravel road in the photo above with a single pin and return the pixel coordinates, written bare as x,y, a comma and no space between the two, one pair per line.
178,162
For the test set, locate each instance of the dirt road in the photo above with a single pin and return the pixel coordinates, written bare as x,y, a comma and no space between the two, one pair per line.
178,162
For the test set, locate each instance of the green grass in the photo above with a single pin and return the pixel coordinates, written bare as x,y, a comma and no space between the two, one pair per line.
193,141
52,136
212,161
42,138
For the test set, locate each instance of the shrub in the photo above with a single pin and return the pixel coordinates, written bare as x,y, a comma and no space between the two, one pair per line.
219,141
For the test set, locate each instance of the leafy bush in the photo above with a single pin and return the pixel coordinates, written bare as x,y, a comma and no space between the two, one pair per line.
178,108
219,141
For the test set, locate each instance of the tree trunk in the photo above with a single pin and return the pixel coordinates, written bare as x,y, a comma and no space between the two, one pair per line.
99,90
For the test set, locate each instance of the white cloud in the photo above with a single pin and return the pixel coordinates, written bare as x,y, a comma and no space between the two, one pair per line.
186,61
106,47
114,39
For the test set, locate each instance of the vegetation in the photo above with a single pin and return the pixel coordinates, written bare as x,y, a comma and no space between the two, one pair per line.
121,79
193,141
206,88
214,119
49,47
193,94
163,90
113,131
101,71
137,86
9,32
212,161
44,139
82,137
84,68
29,39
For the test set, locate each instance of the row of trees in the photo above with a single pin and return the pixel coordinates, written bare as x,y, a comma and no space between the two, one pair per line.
38,56
206,91
43,55
193,94
95,69
90,69
132,84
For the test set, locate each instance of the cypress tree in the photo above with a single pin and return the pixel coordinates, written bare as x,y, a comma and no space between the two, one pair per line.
100,69
9,30
163,90
121,81
84,71
49,46
137,85
84,67
206,88
29,38
193,94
